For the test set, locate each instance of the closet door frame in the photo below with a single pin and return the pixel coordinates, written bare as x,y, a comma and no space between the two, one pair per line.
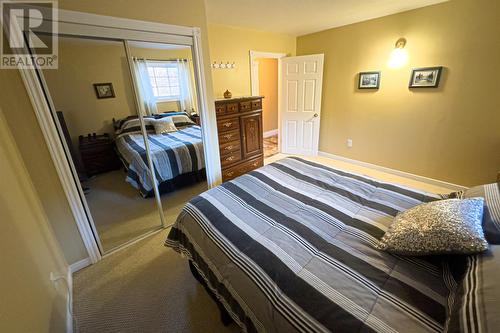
99,26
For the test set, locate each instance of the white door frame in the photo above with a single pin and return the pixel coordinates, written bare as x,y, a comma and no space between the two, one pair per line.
120,28
254,79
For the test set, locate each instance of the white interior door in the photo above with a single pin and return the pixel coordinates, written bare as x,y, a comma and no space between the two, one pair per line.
300,107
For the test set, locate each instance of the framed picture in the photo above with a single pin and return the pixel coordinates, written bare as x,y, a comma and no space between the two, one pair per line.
369,80
104,90
427,77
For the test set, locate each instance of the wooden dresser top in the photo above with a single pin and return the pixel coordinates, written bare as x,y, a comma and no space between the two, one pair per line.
237,99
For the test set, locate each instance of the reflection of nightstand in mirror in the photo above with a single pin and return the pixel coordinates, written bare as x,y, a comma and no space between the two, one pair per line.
196,118
98,154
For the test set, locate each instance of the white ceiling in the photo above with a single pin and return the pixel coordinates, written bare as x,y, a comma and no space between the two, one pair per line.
300,17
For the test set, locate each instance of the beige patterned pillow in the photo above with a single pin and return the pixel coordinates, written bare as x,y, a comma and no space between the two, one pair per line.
438,227
164,125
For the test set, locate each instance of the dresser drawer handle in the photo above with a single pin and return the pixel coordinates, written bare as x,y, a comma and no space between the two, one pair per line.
228,124
227,136
230,158
255,164
228,147
230,173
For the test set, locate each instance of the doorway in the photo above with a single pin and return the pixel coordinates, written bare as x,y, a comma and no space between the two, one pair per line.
265,75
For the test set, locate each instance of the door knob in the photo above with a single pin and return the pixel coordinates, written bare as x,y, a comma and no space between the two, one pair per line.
316,115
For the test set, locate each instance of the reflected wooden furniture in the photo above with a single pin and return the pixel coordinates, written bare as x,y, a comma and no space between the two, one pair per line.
239,123
196,119
98,154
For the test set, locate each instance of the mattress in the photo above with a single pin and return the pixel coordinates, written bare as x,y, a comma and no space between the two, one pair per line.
290,247
173,155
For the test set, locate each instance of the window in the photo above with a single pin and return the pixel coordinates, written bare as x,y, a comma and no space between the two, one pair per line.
164,79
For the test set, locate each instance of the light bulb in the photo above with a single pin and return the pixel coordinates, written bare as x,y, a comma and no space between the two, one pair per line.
398,58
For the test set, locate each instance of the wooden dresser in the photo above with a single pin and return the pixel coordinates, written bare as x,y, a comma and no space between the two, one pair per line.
239,122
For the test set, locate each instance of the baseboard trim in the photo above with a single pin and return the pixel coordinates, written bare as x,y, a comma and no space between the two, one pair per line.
75,267
271,133
426,180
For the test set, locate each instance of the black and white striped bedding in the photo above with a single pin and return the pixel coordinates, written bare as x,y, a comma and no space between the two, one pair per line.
173,154
290,248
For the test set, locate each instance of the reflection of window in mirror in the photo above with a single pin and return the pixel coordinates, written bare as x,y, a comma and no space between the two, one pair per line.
165,77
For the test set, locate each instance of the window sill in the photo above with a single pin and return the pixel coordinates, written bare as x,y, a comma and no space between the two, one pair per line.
162,100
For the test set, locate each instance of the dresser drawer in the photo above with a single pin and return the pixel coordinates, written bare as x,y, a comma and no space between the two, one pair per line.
256,104
229,147
220,109
242,168
224,125
231,108
245,106
231,158
229,136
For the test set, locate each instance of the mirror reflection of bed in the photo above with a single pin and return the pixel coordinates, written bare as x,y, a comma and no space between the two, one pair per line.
102,127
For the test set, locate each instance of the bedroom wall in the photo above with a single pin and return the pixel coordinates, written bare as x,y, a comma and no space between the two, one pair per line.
234,44
268,86
29,251
451,133
81,64
22,121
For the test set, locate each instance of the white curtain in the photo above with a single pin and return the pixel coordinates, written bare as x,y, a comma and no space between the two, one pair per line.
144,88
186,87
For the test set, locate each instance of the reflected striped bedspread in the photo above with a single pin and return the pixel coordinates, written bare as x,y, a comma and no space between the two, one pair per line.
173,154
290,248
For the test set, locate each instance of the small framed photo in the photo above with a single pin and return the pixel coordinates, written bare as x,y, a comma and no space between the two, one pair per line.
104,90
369,80
427,77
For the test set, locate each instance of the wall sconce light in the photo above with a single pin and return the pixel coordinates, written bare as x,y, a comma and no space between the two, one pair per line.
399,56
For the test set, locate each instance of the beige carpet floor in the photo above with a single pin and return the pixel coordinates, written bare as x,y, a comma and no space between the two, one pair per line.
120,214
145,287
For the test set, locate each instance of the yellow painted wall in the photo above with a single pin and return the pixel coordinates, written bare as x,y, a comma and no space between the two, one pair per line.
81,64
451,133
268,87
29,251
234,44
26,131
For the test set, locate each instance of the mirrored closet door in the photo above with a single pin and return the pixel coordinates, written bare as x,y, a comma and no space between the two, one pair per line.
127,113
164,78
93,96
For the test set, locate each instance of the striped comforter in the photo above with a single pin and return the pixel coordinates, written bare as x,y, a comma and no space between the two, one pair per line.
173,154
290,248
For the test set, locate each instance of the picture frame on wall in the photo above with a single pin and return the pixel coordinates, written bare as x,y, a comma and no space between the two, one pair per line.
369,80
426,77
104,90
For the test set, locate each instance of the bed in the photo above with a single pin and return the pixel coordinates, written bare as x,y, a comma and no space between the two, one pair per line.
177,157
290,247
